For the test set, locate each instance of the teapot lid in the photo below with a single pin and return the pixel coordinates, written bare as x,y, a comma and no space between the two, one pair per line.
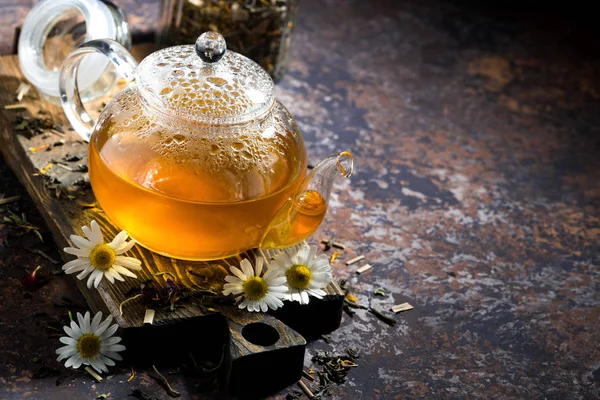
205,83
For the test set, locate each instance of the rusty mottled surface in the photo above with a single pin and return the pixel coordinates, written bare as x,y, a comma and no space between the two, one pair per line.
476,199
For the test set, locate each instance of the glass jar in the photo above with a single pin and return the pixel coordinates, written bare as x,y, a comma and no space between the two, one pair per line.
53,28
259,29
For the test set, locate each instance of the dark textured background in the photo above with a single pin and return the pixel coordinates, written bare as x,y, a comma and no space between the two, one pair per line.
476,198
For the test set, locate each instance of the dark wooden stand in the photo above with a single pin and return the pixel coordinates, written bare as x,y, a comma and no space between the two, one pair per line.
248,346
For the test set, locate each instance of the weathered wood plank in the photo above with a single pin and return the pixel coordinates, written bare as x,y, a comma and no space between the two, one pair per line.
67,205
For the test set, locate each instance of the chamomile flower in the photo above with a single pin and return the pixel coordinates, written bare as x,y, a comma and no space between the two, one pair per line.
90,343
305,274
257,292
98,259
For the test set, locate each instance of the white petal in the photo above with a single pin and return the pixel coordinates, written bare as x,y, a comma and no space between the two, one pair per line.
283,260
272,272
124,271
111,271
278,281
278,289
258,267
247,268
71,360
78,268
112,354
96,232
68,340
115,347
65,352
75,334
109,331
233,279
111,340
98,365
76,262
318,293
305,298
86,322
129,262
98,279
237,272
103,325
232,288
311,253
109,276
125,247
77,252
81,321
77,361
118,240
81,242
85,272
76,329
263,306
96,321
273,302
106,360
88,232
92,278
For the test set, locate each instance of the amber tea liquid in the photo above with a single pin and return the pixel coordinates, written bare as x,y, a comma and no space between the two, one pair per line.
177,204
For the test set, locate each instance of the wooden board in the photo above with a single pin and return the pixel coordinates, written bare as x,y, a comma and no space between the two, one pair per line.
65,200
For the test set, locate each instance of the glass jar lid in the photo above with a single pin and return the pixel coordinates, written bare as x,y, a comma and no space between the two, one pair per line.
205,83
55,27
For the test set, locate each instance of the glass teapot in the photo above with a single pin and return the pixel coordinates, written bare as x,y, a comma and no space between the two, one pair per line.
195,158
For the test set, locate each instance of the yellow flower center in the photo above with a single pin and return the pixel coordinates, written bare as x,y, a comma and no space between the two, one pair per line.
102,256
255,288
88,345
298,276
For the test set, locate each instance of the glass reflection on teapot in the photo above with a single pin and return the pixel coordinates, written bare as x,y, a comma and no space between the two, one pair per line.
195,158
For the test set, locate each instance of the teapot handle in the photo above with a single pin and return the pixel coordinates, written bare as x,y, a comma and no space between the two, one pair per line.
70,98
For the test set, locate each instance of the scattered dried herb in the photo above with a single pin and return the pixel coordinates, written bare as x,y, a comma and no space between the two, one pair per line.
149,316
388,320
34,280
15,107
38,148
170,391
44,170
261,30
329,243
21,222
70,158
363,269
93,373
308,376
306,390
33,126
355,260
22,90
7,200
334,256
379,292
132,376
294,395
402,307
165,297
103,396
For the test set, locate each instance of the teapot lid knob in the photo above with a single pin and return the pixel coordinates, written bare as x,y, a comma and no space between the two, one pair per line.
211,47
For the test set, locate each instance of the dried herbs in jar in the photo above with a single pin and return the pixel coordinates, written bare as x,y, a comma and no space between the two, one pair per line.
259,29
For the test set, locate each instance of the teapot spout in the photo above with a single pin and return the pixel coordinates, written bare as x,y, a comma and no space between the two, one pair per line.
320,180
303,213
